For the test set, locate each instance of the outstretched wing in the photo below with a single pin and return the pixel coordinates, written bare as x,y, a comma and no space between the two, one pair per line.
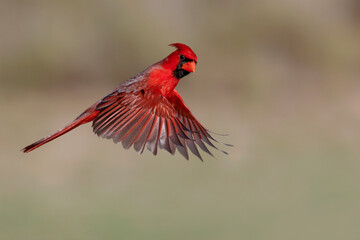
198,134
140,119
145,119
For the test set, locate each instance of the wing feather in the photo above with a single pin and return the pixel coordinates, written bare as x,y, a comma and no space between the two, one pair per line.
142,119
195,132
123,126
114,123
198,139
153,137
131,128
105,118
142,137
190,142
130,137
164,142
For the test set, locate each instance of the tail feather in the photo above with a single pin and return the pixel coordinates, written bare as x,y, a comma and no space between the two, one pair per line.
87,116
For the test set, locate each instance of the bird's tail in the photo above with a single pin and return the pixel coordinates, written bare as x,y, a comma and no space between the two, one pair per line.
87,116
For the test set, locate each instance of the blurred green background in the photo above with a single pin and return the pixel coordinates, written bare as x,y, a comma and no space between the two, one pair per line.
282,77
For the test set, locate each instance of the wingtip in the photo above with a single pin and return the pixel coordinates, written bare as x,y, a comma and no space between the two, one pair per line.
219,134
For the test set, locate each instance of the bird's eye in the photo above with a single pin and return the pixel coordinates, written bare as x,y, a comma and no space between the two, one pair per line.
182,57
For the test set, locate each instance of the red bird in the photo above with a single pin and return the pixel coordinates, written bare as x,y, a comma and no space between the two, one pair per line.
146,110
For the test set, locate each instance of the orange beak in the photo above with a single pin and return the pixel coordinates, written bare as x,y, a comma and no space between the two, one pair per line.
189,66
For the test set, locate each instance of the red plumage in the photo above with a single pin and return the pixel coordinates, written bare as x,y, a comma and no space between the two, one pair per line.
147,111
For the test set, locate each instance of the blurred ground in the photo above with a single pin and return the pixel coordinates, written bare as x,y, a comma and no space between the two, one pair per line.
282,77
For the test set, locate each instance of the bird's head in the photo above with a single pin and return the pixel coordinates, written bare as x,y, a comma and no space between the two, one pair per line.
182,61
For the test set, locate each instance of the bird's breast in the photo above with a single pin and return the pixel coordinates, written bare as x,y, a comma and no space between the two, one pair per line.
162,81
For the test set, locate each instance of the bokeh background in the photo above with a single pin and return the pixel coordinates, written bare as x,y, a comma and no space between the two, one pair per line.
281,77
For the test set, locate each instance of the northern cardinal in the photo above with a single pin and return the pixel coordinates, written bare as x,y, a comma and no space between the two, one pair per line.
146,110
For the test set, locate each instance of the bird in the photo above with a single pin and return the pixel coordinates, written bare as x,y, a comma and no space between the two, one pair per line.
147,111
